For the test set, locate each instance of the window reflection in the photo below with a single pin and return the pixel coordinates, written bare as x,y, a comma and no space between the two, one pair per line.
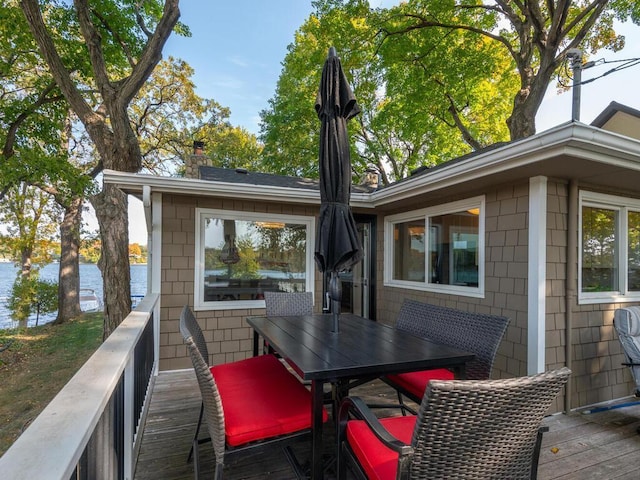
453,249
445,253
634,251
245,258
409,250
599,250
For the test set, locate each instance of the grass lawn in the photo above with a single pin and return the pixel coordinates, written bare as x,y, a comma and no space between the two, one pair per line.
37,365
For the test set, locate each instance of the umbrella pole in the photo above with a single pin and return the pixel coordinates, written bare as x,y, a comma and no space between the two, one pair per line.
335,293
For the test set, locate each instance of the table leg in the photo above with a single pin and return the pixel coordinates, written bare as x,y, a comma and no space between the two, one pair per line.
255,343
317,447
460,372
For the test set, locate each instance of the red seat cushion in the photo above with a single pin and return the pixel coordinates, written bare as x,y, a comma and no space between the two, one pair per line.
416,382
246,370
261,399
378,461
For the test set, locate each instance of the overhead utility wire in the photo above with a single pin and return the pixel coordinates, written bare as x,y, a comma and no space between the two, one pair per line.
627,63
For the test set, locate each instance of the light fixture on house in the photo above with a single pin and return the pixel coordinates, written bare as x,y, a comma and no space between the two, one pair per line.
416,230
474,211
270,224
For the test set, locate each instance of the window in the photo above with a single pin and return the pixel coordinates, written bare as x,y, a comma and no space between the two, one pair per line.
610,248
240,256
437,249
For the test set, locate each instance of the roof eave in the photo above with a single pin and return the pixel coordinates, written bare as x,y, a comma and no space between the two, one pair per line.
133,183
576,138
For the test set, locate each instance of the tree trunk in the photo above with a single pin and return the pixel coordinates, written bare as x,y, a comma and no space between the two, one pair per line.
111,210
522,122
69,275
25,261
113,137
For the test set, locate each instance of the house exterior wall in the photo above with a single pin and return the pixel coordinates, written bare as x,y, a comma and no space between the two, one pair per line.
505,275
596,355
598,375
228,336
506,271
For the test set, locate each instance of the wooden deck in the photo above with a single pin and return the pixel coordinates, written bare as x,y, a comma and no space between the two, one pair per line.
600,445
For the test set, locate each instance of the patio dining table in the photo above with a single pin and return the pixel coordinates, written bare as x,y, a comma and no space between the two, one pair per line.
363,350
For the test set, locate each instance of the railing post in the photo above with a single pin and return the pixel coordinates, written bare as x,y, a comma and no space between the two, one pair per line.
129,415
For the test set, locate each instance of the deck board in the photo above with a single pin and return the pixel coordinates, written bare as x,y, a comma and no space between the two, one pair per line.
588,446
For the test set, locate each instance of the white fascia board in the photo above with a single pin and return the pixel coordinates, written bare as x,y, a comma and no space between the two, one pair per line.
134,183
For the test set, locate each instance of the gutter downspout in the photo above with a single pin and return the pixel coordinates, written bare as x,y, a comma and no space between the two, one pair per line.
146,203
572,281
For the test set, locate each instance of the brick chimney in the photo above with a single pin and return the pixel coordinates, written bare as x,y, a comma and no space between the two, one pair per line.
195,161
371,178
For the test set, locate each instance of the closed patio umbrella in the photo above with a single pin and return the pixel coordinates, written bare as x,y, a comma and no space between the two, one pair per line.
337,243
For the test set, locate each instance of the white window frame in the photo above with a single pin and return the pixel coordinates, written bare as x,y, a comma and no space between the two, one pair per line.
426,214
622,205
198,284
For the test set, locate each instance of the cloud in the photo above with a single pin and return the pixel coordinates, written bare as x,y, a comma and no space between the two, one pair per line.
239,61
228,82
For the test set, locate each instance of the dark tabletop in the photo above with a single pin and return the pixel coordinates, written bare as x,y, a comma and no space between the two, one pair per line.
362,347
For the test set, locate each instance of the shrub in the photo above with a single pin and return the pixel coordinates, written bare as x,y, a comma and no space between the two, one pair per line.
29,294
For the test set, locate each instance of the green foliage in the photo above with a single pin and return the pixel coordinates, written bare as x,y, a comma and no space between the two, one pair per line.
29,295
168,115
533,36
407,98
290,126
232,147
435,79
31,221
90,249
451,83
247,267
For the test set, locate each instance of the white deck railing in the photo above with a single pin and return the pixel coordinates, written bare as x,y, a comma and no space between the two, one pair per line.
90,429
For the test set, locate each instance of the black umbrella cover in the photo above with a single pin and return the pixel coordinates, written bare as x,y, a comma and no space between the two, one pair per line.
337,243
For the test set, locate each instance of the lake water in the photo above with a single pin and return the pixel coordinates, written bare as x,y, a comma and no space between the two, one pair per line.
89,278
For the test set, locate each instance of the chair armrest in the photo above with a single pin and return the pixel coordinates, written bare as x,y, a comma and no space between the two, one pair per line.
358,408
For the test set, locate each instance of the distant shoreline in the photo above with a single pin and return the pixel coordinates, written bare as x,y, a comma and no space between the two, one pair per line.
90,277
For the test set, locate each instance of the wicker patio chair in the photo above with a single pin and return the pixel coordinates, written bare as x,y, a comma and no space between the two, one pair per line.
465,429
627,323
189,327
242,371
286,303
477,333
237,420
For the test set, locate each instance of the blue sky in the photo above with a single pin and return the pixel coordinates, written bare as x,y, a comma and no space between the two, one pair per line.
237,47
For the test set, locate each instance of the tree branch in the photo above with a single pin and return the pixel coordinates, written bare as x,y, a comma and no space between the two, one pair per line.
141,23
424,23
122,43
93,41
152,52
7,149
453,111
593,10
59,72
